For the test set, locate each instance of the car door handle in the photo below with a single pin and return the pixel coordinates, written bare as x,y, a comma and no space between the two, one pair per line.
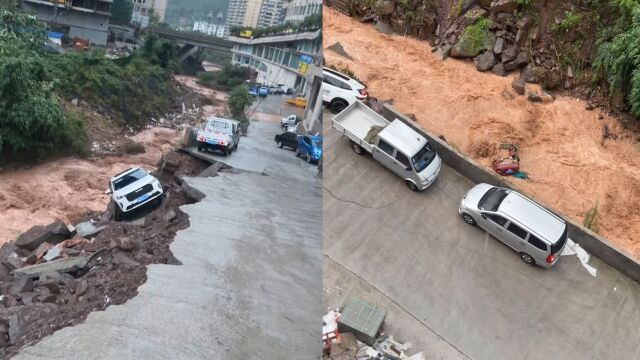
499,229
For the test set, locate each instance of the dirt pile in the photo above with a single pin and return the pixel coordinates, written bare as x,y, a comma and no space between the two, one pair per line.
570,166
103,264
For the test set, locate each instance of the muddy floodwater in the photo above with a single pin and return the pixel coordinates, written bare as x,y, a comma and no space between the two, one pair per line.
39,194
570,167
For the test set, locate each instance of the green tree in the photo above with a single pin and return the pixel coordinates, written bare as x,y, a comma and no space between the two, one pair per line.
619,60
121,11
239,100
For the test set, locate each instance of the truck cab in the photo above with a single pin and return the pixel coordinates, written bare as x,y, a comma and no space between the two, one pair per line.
408,154
219,134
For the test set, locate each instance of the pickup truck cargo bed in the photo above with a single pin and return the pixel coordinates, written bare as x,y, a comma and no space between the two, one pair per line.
355,122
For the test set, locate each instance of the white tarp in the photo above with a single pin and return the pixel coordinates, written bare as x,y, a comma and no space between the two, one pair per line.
575,249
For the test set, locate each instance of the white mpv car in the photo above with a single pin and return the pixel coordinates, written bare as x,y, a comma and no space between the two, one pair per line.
132,189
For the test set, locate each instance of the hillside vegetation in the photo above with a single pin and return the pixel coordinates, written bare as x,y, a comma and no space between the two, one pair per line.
34,84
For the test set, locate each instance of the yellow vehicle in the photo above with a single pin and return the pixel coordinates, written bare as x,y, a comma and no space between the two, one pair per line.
297,101
246,33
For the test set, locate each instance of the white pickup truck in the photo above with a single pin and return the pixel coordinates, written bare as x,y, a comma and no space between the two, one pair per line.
219,134
393,144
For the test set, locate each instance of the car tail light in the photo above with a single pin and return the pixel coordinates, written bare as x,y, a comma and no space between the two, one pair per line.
551,258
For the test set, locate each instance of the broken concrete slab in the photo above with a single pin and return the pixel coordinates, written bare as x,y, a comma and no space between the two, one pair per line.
86,229
53,233
38,253
53,253
61,265
339,49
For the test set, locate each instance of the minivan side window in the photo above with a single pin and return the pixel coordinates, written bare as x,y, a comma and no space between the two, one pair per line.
517,230
403,160
385,147
537,243
497,219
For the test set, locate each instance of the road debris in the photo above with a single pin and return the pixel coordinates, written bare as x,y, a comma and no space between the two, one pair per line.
52,278
573,248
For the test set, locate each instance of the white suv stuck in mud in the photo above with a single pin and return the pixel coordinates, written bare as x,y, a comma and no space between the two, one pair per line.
133,188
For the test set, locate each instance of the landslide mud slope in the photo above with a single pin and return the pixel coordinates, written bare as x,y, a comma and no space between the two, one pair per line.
561,143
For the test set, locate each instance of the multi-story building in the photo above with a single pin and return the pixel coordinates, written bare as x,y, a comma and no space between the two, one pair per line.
297,10
271,13
86,19
142,10
281,59
208,28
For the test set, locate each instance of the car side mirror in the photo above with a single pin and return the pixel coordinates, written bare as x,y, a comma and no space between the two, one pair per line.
108,192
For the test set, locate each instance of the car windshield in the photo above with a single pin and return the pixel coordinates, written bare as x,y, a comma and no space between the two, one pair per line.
492,199
128,179
423,158
318,142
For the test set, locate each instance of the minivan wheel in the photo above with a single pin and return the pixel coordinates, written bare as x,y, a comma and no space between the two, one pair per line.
338,106
356,148
527,258
309,158
468,219
412,186
280,145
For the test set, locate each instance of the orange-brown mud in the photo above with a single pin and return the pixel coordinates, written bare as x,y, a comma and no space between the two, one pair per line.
561,147
70,187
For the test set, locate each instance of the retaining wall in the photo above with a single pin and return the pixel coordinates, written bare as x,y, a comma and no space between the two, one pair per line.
593,243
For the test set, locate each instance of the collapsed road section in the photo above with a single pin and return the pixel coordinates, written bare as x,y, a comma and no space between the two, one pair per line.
246,288
54,276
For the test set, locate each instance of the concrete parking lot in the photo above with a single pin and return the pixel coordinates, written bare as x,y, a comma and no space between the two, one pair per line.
451,288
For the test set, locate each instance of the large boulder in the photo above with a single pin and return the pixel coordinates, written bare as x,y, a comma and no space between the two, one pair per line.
53,233
384,7
465,48
475,13
507,6
519,85
533,74
509,54
498,46
485,61
499,70
520,61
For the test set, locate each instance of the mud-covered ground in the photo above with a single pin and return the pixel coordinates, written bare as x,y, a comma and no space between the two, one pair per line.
123,250
570,166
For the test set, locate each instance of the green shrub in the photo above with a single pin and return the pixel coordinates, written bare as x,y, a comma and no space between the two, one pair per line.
619,60
456,8
524,3
475,37
228,78
591,218
570,21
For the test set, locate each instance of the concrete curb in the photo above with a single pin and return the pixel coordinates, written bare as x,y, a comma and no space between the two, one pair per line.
593,243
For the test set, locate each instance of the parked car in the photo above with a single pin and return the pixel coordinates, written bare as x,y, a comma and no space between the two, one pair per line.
290,120
309,147
297,101
253,91
219,134
340,91
133,188
393,144
273,90
263,91
288,139
536,233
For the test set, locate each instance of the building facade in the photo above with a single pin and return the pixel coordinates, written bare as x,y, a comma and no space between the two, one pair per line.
142,10
86,19
271,13
297,10
209,28
282,59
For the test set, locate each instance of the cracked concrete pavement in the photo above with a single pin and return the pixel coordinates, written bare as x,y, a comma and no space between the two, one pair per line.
248,286
453,290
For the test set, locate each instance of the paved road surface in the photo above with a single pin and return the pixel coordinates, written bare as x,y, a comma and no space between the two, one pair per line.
248,286
458,284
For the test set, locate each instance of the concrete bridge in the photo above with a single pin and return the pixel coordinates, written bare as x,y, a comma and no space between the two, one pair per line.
191,41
